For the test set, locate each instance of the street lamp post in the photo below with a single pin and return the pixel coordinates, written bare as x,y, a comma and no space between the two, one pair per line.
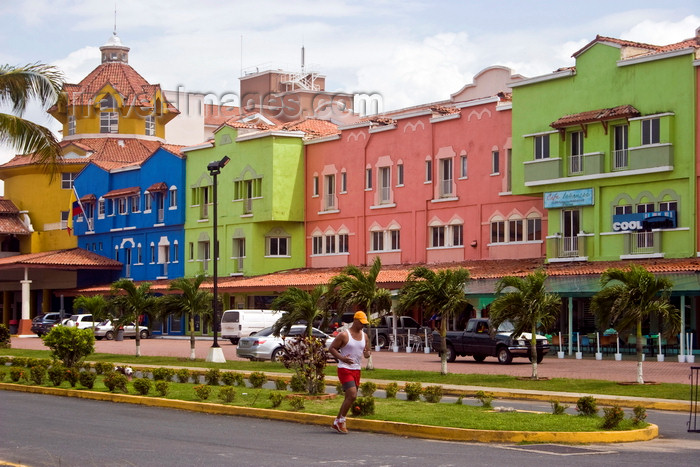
216,354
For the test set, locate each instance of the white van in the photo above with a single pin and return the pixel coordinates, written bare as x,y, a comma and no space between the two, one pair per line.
241,323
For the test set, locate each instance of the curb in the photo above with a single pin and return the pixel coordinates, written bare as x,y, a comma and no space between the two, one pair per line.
374,426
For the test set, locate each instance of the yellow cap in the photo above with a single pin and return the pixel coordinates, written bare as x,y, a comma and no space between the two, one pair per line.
361,316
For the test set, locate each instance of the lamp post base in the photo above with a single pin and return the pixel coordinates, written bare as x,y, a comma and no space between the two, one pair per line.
216,355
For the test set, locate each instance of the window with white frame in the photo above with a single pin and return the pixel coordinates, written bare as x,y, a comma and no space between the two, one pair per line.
668,206
343,182
446,178
437,236
395,236
239,253
534,229
134,203
152,253
139,254
147,202
278,246
498,231
150,125
623,209
495,162
173,198
71,124
317,245
515,230
576,151
315,186
121,205
645,207
457,234
463,167
343,243
651,131
368,179
399,175
329,201
428,171
330,244
190,255
384,185
541,147
377,240
444,236
67,179
101,208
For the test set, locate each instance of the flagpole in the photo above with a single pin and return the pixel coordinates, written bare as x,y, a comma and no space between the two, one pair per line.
82,208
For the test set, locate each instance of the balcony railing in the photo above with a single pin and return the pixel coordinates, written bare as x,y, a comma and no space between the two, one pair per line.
560,246
642,243
247,205
384,194
575,163
329,202
620,159
446,188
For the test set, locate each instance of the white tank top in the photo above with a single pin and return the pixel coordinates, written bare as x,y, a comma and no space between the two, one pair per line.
355,350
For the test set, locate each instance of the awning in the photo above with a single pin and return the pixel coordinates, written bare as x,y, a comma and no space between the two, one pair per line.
599,115
134,190
160,186
88,198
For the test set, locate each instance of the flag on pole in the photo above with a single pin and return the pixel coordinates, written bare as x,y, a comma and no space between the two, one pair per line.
76,209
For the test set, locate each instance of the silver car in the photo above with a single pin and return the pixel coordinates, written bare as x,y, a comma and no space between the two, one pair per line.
264,346
107,331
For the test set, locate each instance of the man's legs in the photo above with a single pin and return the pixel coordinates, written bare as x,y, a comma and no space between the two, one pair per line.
350,396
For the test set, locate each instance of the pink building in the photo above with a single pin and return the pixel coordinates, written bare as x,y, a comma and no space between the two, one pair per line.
427,184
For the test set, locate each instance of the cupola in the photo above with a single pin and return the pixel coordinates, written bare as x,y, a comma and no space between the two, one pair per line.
114,50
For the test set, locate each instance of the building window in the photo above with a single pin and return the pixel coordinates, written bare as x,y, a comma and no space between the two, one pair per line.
330,244
495,163
620,151
153,253
458,235
173,198
515,230
202,197
446,178
71,125
101,208
395,239
534,229
134,203
399,175
121,204
498,232
329,192
150,125
343,182
542,147
377,241
315,186
67,180
668,206
239,253
109,122
576,162
625,209
147,202
463,173
317,245
176,252
437,236
651,131
645,207
343,243
428,171
368,179
191,251
278,246
384,185
139,254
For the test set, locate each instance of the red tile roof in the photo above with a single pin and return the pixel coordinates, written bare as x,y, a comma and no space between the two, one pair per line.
650,48
133,190
622,111
313,127
7,206
216,115
73,259
160,186
10,220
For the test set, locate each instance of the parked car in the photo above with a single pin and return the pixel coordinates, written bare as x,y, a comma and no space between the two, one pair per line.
106,330
43,323
265,346
81,321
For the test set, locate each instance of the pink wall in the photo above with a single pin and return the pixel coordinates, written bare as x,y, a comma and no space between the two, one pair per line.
477,130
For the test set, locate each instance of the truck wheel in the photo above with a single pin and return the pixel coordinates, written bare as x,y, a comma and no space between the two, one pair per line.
451,355
540,357
234,341
479,358
382,341
504,355
109,335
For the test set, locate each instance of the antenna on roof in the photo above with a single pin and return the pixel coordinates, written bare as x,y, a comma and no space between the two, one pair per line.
115,17
302,59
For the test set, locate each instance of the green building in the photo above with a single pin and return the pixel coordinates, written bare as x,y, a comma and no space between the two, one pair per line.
610,145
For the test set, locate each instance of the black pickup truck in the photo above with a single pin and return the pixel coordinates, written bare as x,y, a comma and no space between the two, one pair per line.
480,341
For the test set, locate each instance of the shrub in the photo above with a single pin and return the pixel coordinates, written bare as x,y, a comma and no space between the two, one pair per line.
612,416
297,383
363,406
70,345
557,408
163,374
280,385
103,367
2,375
227,394
485,398
143,386
459,400
212,376
87,379
228,378
307,357
5,340
413,391
20,361
113,381
297,402
432,394
183,375
57,373
202,391
4,360
162,388
257,379
38,374
368,388
276,398
587,406
17,374
72,375
391,390
640,414
87,366
30,362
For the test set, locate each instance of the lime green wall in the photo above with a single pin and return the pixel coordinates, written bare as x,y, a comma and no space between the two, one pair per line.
277,161
664,87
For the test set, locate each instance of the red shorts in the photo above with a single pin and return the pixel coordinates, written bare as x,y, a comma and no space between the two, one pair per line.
348,377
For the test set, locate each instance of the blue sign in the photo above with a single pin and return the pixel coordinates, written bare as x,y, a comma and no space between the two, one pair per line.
644,221
561,199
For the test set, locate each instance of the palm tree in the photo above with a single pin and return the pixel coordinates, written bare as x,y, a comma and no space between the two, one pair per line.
18,86
96,305
133,301
625,304
299,305
192,301
437,292
528,307
355,288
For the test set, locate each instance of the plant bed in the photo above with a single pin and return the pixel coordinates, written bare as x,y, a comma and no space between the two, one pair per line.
311,397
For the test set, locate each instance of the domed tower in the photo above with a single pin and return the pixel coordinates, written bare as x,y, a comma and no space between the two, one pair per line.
114,50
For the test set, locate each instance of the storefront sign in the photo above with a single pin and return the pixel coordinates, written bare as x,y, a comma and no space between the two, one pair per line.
560,199
644,220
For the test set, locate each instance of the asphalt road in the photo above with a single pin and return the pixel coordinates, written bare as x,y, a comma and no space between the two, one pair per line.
39,430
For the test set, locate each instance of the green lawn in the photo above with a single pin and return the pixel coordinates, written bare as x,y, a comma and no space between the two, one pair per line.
588,386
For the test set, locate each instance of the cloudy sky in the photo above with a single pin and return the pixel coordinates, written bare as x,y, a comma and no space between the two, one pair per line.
409,51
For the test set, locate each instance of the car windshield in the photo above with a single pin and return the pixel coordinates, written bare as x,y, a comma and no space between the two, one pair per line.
74,317
264,332
506,326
